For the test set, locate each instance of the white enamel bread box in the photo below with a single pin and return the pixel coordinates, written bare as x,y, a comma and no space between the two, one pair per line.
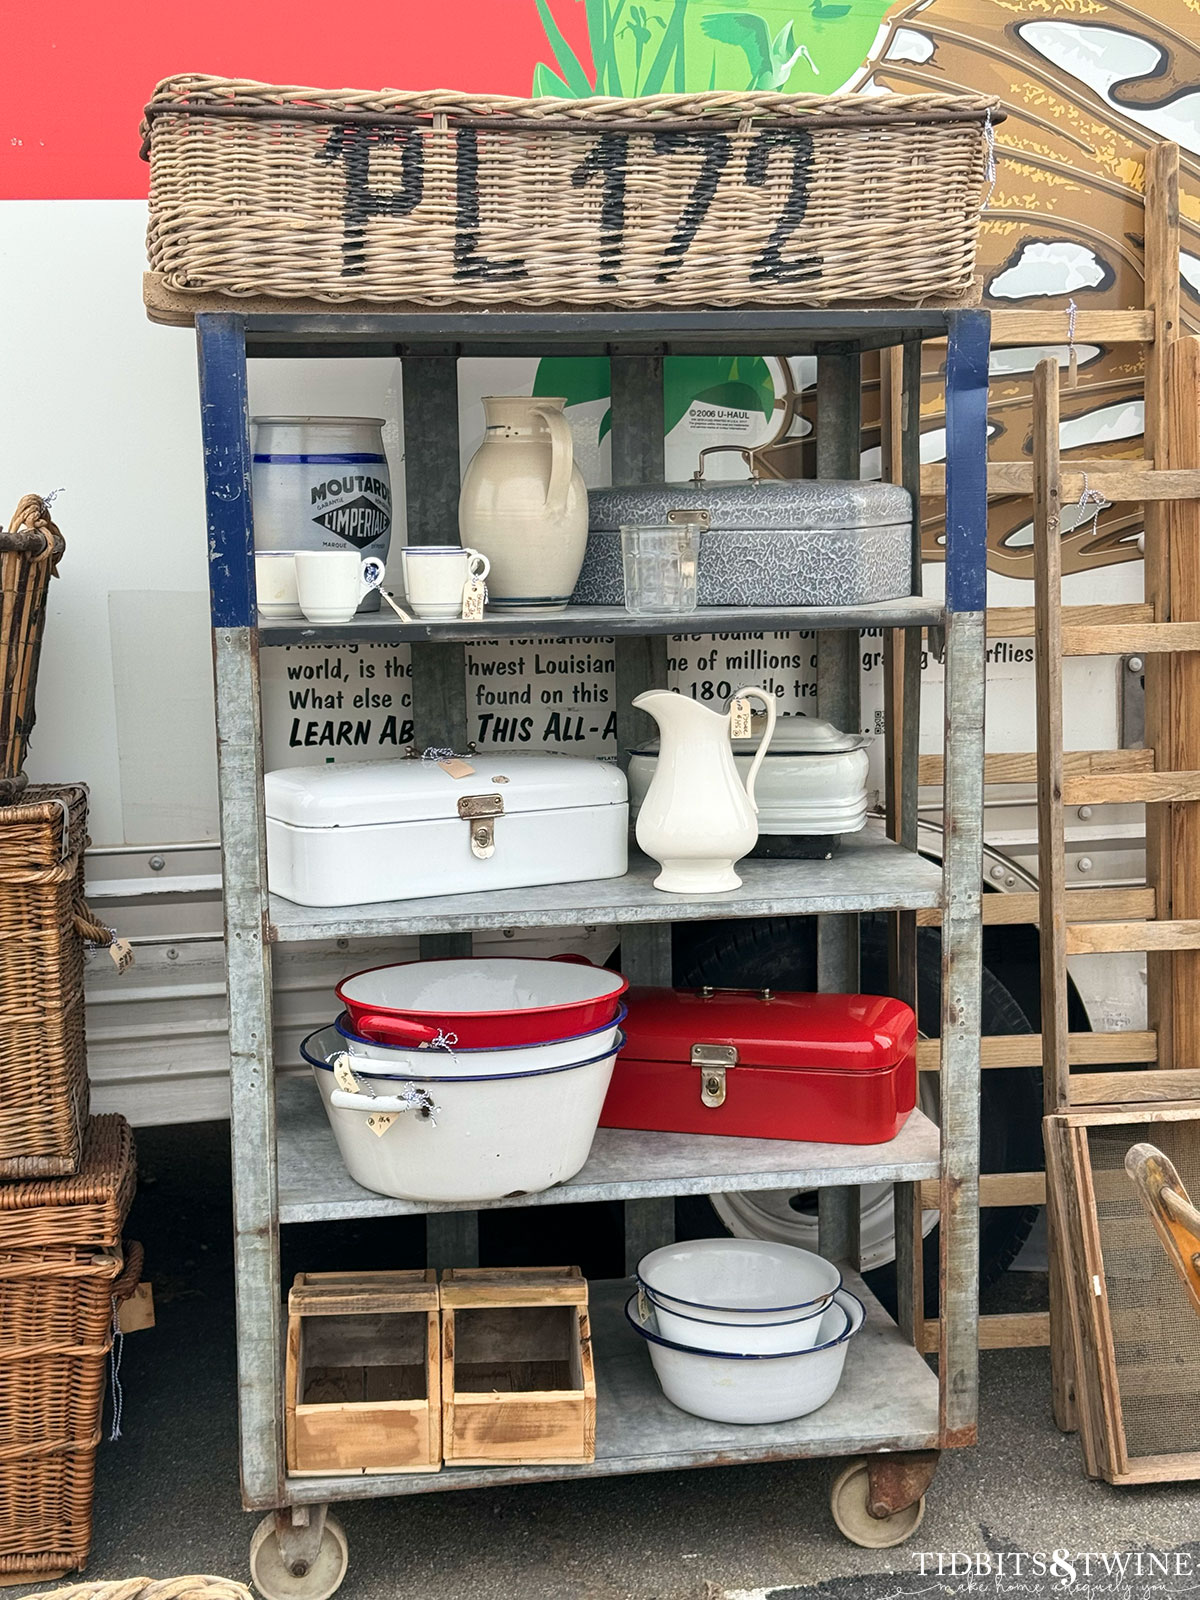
367,831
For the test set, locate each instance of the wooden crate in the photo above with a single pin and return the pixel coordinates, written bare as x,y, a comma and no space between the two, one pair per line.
363,1379
1135,1336
517,1378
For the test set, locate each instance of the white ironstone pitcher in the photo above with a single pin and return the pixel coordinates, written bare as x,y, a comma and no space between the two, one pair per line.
697,819
524,504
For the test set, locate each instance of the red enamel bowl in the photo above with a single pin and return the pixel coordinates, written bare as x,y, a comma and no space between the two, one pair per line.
483,1002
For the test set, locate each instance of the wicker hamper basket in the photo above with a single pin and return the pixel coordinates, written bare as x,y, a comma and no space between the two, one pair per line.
448,199
62,1274
43,922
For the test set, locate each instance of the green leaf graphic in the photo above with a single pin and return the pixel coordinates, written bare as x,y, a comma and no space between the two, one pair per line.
549,83
580,378
690,378
568,62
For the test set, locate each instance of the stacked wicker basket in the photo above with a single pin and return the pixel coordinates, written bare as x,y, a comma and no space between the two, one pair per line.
69,1178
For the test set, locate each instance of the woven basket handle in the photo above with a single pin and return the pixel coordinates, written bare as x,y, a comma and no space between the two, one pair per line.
87,927
32,533
131,1272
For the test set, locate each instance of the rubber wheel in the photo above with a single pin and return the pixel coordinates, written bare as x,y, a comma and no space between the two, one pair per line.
781,952
848,1502
274,1581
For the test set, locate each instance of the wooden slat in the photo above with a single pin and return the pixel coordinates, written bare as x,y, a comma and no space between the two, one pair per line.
1137,638
1118,481
1128,1088
1081,905
1097,938
1017,622
1149,788
1025,1050
1161,1469
1052,861
1162,293
1020,766
1013,1330
996,1189
1181,745
1091,327
1072,1340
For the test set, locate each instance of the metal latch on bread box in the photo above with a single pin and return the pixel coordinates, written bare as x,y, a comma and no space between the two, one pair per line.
481,811
713,1061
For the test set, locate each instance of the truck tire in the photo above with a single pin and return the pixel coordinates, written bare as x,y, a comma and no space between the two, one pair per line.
780,952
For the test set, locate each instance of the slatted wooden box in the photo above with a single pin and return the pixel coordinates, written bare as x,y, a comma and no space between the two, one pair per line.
1135,1335
517,1378
363,1380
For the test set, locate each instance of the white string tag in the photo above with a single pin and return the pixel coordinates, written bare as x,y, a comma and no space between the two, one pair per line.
474,595
1094,499
739,718
380,1121
1072,353
115,1351
398,609
989,167
457,768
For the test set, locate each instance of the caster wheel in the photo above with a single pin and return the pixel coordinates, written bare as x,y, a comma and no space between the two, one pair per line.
275,1581
848,1502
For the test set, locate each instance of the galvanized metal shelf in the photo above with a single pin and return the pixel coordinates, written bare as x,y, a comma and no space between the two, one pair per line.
869,873
314,1186
599,622
671,330
887,1400
285,1166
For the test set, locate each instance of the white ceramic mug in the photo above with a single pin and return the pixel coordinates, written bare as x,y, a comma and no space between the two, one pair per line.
435,576
275,583
330,583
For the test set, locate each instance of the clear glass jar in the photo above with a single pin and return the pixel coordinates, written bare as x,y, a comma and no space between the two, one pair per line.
660,561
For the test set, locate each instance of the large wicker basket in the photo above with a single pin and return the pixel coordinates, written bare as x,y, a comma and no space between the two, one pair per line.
442,199
62,1274
43,922
29,555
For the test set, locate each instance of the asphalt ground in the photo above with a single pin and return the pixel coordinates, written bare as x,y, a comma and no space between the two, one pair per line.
167,1499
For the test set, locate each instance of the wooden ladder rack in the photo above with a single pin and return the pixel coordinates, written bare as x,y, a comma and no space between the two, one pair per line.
1163,917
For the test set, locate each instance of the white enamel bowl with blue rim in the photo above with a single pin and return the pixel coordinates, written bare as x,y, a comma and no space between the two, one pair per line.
458,1138
450,1059
726,1387
751,1281
709,1331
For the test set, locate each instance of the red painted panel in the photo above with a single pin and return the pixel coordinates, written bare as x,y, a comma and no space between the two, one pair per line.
76,73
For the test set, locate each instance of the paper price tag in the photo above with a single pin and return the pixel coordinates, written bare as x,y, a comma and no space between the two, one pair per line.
457,768
137,1312
739,719
121,952
380,1121
344,1077
474,594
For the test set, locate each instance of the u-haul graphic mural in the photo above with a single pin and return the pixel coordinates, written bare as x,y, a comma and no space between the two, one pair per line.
99,402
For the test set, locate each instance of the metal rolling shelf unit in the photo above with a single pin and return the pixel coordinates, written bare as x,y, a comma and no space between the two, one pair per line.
890,1407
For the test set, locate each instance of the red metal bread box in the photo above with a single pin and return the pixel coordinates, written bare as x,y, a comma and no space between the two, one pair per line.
828,1068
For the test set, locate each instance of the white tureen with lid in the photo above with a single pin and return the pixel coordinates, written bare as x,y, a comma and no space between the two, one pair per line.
813,780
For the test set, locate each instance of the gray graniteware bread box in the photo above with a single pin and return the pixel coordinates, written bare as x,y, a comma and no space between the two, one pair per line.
769,542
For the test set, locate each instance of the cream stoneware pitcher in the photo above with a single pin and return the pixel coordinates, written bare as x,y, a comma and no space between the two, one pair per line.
697,819
524,504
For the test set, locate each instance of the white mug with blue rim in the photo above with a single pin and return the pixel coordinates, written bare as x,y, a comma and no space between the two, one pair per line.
435,576
330,583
